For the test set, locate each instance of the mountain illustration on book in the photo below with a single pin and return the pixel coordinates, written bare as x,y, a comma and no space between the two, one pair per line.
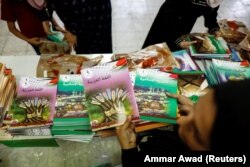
109,94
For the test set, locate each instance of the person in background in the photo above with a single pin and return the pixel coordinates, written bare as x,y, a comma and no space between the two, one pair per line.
48,26
30,25
177,18
88,24
218,122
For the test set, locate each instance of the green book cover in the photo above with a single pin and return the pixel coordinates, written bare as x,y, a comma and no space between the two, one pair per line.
73,127
70,101
230,71
151,86
72,132
207,46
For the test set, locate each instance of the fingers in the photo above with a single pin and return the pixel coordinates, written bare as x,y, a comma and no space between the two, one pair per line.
185,109
181,99
185,44
126,124
192,42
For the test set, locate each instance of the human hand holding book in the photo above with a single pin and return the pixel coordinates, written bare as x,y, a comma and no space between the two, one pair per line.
126,134
185,105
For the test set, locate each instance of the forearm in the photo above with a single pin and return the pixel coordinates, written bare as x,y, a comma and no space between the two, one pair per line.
16,32
211,20
46,27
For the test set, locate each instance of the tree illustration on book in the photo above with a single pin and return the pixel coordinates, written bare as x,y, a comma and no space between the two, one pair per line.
111,103
109,94
30,111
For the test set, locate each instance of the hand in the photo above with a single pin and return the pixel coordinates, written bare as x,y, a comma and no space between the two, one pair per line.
58,28
217,34
34,41
185,44
126,134
71,39
185,105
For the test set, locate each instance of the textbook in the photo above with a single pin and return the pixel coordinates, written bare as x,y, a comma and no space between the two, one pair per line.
7,93
70,101
35,103
151,86
230,71
208,46
109,94
186,63
71,120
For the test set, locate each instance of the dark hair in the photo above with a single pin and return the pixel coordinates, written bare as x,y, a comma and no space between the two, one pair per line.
231,129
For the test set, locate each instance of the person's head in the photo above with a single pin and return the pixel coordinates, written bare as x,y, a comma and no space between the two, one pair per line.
220,120
37,4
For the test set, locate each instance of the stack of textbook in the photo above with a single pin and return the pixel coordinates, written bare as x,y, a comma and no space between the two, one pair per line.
220,71
30,116
7,90
71,121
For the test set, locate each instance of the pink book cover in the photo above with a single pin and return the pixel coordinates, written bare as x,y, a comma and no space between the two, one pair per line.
109,94
35,102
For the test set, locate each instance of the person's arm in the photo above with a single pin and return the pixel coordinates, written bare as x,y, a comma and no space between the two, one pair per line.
127,139
211,21
46,27
57,26
70,38
17,33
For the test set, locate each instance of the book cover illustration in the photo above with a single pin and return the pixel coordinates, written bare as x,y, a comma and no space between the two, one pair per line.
230,71
70,100
34,104
109,94
151,86
208,45
187,65
52,65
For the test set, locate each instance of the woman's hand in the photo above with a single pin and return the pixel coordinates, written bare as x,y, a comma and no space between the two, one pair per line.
126,134
185,105
34,41
185,44
71,39
217,34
